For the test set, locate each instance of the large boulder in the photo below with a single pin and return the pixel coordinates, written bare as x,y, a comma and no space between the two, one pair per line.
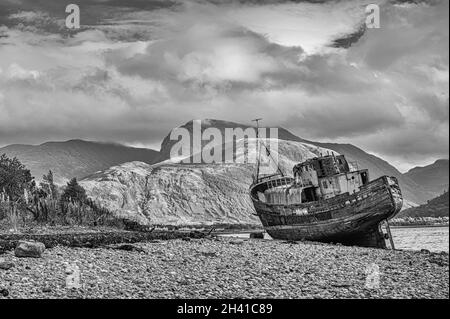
31,249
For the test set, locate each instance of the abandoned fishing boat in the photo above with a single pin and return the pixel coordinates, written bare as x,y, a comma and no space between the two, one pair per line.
327,200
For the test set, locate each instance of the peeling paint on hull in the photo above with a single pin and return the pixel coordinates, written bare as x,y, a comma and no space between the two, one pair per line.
348,219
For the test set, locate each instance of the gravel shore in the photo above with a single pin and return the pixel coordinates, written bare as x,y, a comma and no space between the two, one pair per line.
228,268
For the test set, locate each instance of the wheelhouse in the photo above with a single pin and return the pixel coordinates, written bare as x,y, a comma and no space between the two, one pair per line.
316,179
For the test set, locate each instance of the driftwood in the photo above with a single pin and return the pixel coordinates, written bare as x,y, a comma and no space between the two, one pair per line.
211,230
127,247
257,235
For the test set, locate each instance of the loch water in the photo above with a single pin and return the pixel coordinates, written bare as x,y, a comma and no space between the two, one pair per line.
435,238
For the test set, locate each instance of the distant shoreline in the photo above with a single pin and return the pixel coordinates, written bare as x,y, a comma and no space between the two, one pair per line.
418,226
240,229
247,231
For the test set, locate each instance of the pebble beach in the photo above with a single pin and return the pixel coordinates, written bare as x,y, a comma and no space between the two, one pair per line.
227,268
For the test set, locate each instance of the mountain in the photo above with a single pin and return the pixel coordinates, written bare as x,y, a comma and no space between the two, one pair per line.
168,143
170,193
413,192
437,207
175,194
433,177
75,158
149,186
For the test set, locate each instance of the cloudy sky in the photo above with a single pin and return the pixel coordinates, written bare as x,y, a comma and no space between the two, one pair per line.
137,68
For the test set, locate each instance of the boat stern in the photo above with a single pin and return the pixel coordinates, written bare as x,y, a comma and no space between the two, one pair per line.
396,195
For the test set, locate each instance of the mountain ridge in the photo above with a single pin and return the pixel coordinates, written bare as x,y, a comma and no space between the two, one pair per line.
433,176
414,193
436,207
79,158
185,194
75,158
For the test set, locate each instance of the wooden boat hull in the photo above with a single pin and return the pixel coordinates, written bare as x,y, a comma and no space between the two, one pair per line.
350,219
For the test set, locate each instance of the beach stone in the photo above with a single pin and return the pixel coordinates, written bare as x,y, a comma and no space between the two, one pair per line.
29,249
4,292
5,265
192,270
438,260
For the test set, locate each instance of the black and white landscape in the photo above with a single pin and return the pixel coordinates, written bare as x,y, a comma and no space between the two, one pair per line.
94,205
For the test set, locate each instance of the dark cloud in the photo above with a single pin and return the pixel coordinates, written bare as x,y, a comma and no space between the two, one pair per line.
207,55
138,68
347,40
49,15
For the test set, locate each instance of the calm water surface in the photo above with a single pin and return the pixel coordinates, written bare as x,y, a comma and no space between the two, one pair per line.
410,238
417,238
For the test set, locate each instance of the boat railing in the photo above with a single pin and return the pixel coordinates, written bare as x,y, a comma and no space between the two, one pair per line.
302,183
263,178
278,182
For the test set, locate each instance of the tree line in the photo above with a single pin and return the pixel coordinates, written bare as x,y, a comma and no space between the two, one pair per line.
23,200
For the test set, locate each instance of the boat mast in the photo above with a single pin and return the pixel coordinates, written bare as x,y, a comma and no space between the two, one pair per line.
275,162
258,163
258,147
